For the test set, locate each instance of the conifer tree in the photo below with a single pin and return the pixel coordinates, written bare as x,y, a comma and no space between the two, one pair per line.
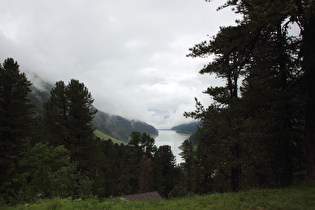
15,116
137,167
56,115
68,118
145,175
165,174
189,166
261,125
282,14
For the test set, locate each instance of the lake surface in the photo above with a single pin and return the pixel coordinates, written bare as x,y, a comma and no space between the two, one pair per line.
173,139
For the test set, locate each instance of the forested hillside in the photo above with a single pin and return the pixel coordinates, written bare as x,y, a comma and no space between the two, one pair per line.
120,127
54,153
112,125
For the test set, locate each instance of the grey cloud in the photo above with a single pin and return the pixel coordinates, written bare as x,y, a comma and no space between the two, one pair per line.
131,54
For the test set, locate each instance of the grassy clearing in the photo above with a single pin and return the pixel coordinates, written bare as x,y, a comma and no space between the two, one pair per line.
300,197
104,136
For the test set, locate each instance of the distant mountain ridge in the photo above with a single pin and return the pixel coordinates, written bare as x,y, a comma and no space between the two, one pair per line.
187,128
112,125
120,127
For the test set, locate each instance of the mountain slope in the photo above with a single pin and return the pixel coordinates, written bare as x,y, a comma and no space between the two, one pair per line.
112,125
188,128
120,127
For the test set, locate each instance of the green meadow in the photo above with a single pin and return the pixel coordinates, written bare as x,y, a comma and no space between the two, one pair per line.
104,136
298,197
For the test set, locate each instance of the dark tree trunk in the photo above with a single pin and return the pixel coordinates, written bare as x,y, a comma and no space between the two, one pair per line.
262,181
309,69
286,142
235,179
235,171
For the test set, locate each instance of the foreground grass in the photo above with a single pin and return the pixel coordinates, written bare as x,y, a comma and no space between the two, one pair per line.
302,197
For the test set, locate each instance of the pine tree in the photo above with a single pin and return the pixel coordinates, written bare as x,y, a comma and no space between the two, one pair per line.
56,115
189,166
283,13
137,167
145,175
229,64
144,143
307,14
260,125
165,174
15,116
80,115
68,118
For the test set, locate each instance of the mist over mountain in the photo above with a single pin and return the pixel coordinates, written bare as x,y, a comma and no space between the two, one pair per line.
112,125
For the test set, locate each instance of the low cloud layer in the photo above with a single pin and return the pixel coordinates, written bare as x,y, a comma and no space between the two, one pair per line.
130,54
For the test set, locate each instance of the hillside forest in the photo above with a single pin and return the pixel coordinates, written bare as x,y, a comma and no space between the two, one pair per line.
56,153
258,132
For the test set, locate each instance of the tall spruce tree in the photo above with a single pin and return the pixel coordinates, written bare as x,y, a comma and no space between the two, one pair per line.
189,165
56,116
145,175
68,118
80,116
137,165
15,117
165,173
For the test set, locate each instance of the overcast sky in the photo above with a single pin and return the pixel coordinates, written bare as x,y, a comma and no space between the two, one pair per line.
131,54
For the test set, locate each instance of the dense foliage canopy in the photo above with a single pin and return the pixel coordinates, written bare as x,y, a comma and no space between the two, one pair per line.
253,133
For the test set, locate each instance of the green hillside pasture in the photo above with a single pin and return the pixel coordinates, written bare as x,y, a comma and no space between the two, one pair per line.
104,136
302,197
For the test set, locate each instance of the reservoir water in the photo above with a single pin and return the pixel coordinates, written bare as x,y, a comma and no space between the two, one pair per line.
173,139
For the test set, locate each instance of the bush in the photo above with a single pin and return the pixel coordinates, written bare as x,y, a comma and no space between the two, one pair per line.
43,171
